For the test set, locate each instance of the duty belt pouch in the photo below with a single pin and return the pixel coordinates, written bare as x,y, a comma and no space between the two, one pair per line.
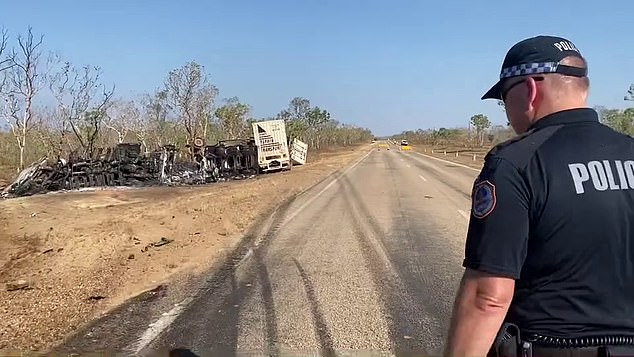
616,351
508,342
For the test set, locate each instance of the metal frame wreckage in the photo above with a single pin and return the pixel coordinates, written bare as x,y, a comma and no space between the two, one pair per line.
126,165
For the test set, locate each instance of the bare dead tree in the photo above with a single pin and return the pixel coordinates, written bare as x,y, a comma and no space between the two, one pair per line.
23,80
81,108
157,111
5,63
191,94
141,128
122,116
141,125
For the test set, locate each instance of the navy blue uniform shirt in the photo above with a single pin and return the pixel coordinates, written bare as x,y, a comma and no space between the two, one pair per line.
554,209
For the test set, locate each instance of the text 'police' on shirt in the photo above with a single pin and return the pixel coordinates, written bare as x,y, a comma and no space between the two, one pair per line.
602,175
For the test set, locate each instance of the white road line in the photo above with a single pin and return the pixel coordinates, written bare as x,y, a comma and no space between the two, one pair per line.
449,162
155,329
464,214
161,324
422,177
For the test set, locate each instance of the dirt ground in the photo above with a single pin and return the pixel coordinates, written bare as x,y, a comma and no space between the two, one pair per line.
84,253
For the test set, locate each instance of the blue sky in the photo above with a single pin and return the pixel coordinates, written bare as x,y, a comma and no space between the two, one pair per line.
385,65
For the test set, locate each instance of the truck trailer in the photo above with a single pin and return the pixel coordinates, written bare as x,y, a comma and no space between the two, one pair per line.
272,143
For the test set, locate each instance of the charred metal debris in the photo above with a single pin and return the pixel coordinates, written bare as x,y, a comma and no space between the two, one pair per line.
126,165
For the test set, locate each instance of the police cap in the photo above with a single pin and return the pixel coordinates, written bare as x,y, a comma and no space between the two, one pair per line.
539,54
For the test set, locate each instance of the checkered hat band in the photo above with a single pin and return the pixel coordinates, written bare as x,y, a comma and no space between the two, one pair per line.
529,68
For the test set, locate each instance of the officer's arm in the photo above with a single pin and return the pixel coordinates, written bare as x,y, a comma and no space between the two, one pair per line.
481,304
494,255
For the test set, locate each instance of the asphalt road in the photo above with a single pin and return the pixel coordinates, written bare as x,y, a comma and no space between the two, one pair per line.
365,263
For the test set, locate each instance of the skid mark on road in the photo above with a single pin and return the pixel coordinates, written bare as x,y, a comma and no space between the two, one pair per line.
406,317
270,318
321,328
427,259
220,300
259,269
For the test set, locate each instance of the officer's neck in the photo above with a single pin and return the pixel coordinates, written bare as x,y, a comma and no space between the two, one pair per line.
554,106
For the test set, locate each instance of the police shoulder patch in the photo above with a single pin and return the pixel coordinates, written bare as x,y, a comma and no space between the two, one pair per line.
483,199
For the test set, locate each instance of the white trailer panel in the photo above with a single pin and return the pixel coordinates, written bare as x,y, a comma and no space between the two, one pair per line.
270,138
299,150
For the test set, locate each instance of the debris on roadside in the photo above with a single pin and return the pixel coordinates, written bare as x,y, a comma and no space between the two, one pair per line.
163,241
18,285
157,292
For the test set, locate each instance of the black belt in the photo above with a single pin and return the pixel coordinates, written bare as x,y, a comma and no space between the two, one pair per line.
594,341
594,346
511,343
596,351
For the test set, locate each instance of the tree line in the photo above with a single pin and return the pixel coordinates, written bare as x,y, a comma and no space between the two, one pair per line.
86,114
621,120
481,133
458,137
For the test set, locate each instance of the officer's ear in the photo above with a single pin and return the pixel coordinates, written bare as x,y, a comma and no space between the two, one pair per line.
532,91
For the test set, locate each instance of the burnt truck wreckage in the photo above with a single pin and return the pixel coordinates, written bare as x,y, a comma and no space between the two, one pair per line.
125,165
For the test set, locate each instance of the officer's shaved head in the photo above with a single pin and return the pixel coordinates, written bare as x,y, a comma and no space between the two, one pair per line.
564,82
561,91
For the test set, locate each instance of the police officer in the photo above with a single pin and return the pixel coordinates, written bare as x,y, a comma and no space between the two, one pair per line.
550,243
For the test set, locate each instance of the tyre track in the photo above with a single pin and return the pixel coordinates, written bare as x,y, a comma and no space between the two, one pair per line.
426,262
225,294
221,297
321,329
406,318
